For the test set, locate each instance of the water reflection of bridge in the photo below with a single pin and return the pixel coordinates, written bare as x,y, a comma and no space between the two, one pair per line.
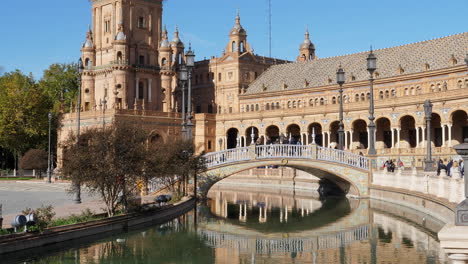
259,245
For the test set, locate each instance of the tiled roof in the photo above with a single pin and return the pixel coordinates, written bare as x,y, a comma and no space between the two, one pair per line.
411,58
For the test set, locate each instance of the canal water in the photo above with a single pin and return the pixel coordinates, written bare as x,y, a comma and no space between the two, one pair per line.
267,226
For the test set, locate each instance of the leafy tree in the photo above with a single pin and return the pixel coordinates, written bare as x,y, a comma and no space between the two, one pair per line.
34,159
23,113
60,83
108,162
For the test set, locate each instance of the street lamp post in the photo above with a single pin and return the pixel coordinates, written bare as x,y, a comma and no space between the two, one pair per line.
371,67
428,116
183,76
340,79
48,156
190,60
77,197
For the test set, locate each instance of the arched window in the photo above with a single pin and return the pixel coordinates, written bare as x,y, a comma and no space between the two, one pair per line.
304,57
466,83
242,47
234,48
460,84
256,107
311,102
299,104
356,98
119,57
294,104
368,95
345,97
289,104
412,91
87,63
393,93
333,100
141,88
277,105
322,101
179,58
433,88
310,57
387,94
252,108
267,107
316,101
381,96
363,97
247,108
163,61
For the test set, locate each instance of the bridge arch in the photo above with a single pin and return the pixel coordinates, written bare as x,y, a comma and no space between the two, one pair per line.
348,171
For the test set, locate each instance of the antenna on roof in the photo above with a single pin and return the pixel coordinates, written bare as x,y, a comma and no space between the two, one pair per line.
269,25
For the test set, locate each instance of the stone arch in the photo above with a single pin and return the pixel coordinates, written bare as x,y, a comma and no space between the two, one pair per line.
272,133
459,120
360,136
408,131
156,136
333,128
383,135
318,133
293,131
350,180
231,135
248,135
436,127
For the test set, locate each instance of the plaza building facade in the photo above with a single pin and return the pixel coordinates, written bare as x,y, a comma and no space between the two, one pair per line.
297,100
131,73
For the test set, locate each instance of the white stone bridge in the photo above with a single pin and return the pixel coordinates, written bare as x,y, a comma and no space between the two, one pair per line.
350,172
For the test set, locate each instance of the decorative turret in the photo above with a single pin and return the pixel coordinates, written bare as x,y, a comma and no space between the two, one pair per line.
177,48
120,45
307,48
237,38
165,51
89,39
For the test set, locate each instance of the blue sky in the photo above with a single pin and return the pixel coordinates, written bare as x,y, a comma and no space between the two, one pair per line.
35,34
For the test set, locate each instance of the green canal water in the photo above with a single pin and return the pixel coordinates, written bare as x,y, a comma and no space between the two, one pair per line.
274,226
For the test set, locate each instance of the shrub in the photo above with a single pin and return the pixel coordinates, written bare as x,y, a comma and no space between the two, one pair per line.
43,216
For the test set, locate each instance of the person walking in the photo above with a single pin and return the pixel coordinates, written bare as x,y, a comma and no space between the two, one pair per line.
449,166
461,166
440,166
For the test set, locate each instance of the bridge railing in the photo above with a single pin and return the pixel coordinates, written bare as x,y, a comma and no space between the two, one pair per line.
227,156
285,151
343,157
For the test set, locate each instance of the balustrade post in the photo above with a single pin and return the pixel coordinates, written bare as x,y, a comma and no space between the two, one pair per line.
313,151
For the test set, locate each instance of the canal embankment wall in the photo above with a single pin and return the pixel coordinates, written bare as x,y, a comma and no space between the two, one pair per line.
423,191
52,236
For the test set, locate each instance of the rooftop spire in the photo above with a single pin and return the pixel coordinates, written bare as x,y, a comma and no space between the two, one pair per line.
307,36
237,17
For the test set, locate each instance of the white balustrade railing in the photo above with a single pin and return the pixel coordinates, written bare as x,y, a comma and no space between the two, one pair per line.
280,151
450,188
227,156
342,157
283,151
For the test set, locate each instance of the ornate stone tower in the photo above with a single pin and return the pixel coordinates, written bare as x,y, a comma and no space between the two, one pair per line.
238,38
124,58
307,49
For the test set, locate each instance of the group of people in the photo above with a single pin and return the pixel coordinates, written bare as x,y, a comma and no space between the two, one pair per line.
390,165
451,167
281,140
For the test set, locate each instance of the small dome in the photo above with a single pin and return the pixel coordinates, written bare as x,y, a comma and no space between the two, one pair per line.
176,42
89,40
165,43
238,29
307,44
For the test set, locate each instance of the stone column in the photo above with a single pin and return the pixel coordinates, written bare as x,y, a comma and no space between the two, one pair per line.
417,137
449,135
443,135
398,137
307,138
324,139
393,138
423,129
137,90
328,138
346,139
149,89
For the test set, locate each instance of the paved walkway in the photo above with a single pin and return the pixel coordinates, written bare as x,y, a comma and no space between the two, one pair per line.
15,196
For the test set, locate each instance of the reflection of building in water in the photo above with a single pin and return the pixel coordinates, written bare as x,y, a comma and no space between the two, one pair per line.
392,233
